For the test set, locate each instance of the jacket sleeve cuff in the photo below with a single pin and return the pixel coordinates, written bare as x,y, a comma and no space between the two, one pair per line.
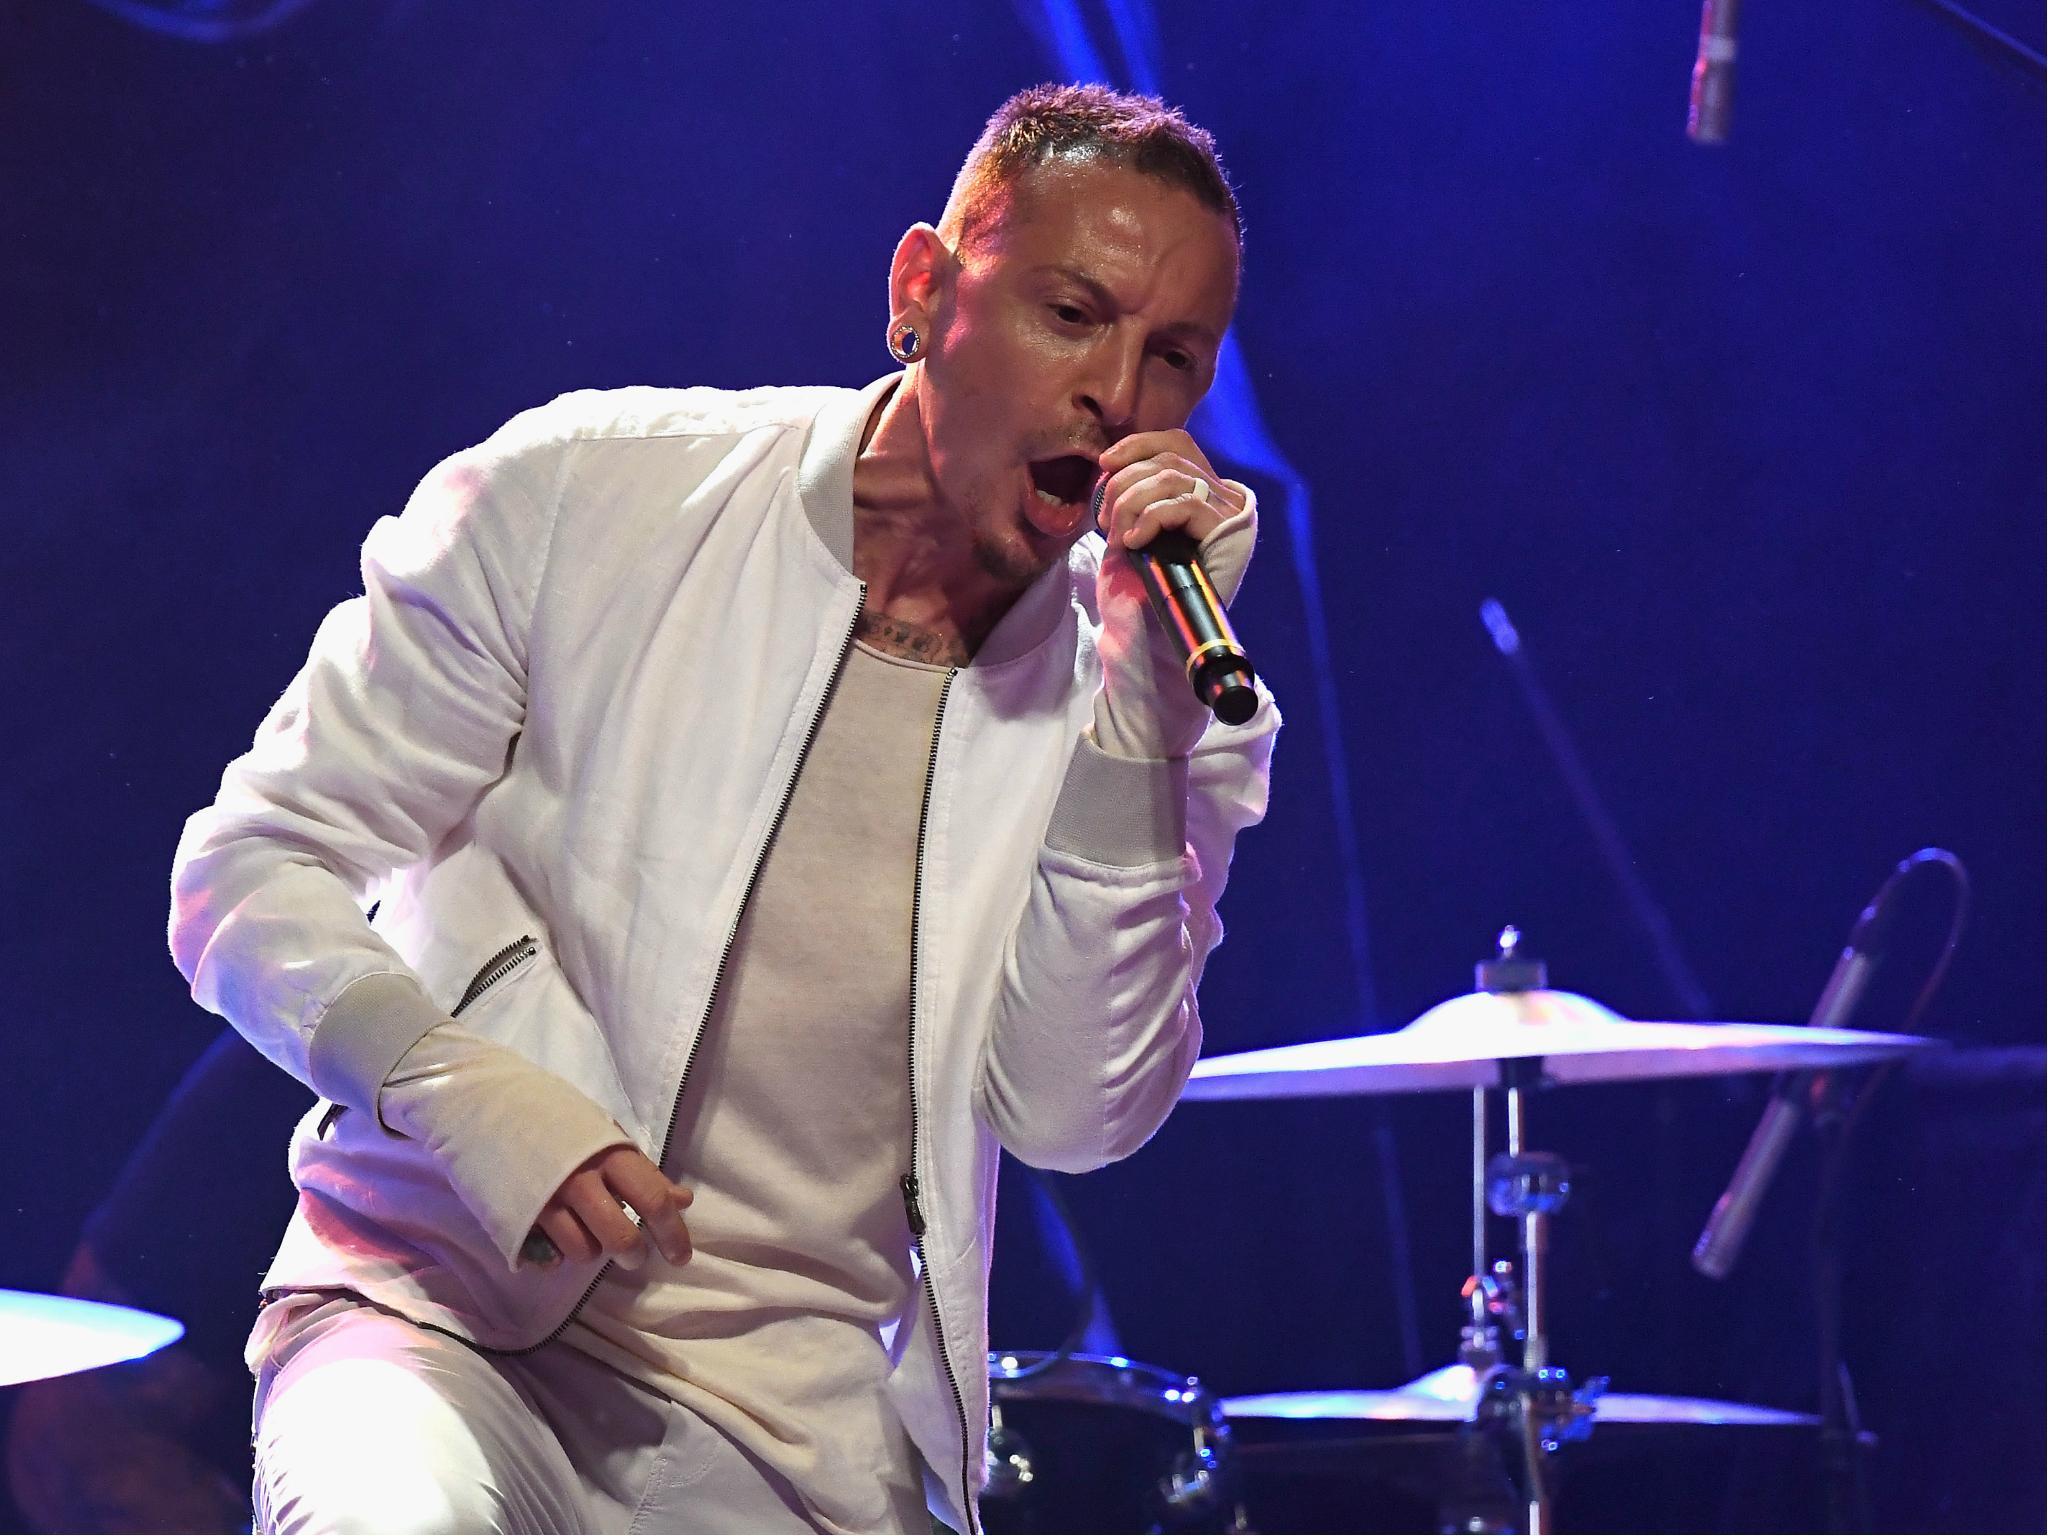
362,1034
1120,811
505,1131
508,1179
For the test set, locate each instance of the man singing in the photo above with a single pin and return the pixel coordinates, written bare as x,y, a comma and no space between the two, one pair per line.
773,802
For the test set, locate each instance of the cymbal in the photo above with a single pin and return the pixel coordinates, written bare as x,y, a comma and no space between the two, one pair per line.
56,1335
1462,1043
1450,1394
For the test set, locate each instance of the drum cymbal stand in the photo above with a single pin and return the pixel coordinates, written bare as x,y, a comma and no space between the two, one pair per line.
1532,1405
1481,1497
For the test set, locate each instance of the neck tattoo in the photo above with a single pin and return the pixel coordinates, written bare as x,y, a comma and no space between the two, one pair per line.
896,637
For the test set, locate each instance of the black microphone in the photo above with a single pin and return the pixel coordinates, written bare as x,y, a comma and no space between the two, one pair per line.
1192,615
1713,73
1727,1229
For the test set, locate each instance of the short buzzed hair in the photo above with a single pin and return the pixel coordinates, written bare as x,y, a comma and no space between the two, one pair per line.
1085,122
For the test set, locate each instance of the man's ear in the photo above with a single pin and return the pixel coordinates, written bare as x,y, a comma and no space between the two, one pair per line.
920,275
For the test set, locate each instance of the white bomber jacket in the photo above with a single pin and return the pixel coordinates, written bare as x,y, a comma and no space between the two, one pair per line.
557,732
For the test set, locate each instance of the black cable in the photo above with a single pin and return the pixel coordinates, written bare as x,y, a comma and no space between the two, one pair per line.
1953,866
1937,973
2013,50
1841,1429
1090,1286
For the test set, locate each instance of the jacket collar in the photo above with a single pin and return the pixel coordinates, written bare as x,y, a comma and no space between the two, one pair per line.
825,485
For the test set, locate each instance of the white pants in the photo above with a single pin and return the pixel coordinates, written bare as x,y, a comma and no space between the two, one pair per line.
366,1422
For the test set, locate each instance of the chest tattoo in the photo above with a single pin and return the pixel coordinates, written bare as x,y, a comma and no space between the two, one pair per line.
911,641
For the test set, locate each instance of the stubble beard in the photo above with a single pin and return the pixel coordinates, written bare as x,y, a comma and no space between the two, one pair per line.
1007,561
1003,550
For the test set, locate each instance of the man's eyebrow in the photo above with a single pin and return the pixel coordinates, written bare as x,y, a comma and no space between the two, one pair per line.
1192,329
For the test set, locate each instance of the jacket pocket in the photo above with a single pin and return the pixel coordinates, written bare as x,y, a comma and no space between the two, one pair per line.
500,967
495,970
521,999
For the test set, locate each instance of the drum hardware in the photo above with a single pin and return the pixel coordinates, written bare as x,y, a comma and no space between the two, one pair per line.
1010,1470
1509,1037
1496,1305
1531,1405
1100,1442
44,1336
1470,1041
1450,1396
1191,1489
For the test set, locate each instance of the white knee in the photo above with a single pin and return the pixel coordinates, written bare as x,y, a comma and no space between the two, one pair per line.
366,1445
377,1502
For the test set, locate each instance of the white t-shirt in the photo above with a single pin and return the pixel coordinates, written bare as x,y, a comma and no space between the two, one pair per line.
794,1133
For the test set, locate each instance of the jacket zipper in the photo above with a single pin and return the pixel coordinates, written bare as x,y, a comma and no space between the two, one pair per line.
732,935
495,970
489,974
913,1208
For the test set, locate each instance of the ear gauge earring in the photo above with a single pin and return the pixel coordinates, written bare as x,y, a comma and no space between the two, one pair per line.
904,343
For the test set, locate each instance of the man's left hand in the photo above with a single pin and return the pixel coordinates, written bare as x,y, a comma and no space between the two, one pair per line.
1155,482
1146,708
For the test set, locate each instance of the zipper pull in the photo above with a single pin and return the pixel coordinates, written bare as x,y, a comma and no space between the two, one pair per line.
910,1208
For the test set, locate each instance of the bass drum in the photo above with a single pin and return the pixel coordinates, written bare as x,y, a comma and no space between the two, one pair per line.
1101,1443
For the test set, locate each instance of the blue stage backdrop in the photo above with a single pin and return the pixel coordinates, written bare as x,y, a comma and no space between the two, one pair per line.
1746,441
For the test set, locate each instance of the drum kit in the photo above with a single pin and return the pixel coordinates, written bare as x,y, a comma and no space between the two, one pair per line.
1084,1442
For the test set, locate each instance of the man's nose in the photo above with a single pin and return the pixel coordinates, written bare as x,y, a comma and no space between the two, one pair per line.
1110,390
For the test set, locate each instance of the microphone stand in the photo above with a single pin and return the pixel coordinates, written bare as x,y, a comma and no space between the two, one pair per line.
1834,1109
1649,915
1621,865
1843,1465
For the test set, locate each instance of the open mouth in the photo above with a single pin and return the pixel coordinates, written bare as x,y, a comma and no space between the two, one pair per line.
1064,482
